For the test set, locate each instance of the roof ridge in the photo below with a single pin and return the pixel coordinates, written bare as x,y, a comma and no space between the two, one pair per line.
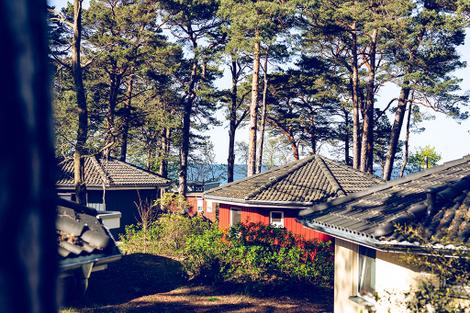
252,176
329,176
138,168
104,176
297,164
380,187
352,169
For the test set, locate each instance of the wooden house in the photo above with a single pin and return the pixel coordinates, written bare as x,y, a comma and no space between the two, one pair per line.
113,185
370,274
196,201
276,196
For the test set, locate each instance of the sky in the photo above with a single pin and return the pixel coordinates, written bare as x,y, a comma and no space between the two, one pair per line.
451,139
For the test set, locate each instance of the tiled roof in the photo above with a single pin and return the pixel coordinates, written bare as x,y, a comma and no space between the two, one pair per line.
436,200
110,173
81,236
303,182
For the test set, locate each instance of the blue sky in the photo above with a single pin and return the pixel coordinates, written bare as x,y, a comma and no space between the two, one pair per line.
451,139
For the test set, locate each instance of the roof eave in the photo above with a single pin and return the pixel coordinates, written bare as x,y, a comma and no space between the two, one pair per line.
372,242
100,187
96,261
258,203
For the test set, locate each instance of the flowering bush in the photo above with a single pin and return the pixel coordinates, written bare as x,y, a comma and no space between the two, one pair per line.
259,253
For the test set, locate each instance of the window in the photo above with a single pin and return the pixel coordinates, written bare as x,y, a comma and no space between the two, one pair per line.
209,206
366,285
235,216
276,218
200,204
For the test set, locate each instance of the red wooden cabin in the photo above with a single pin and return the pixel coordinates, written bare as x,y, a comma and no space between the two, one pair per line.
276,196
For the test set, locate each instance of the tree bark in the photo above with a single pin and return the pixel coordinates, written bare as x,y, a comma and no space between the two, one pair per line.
82,131
367,147
407,139
254,108
355,101
232,123
184,149
126,120
165,148
263,114
111,113
28,266
346,137
395,132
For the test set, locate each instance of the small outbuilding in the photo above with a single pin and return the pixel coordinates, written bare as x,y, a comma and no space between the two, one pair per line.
276,196
112,186
369,246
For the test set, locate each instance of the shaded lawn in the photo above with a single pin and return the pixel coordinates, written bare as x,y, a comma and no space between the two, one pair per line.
148,283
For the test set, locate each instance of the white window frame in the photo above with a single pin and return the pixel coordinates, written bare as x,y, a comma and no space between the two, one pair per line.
368,257
209,206
200,204
231,215
279,225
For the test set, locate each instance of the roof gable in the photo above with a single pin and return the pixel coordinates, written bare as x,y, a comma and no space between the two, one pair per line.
303,182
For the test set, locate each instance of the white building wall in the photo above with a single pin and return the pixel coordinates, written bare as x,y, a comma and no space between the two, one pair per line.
393,278
345,277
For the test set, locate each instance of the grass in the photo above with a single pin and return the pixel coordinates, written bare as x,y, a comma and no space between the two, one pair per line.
147,283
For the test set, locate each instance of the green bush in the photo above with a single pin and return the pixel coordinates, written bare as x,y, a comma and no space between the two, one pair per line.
251,254
256,253
167,235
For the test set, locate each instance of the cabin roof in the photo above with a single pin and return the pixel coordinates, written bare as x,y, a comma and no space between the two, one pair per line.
109,173
299,183
81,236
436,201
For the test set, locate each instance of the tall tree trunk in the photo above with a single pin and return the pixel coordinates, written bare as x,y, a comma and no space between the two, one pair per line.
346,137
111,114
367,147
184,149
293,145
313,142
355,101
263,114
165,148
395,132
233,122
407,138
254,108
82,131
28,266
126,120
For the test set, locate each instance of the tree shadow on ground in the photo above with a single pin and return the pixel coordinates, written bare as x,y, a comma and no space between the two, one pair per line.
149,283
133,276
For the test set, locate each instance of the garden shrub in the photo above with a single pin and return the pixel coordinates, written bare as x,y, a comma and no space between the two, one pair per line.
256,253
166,235
250,254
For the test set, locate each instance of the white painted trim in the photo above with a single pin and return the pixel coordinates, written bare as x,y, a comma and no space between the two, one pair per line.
113,188
271,219
254,205
234,209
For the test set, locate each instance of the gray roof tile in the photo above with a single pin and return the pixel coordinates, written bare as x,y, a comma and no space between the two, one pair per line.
110,173
80,234
307,181
403,201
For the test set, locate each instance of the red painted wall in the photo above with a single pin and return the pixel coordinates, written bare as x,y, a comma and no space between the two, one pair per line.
192,200
258,215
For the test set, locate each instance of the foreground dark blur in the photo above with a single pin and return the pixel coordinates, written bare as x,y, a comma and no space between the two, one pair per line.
28,264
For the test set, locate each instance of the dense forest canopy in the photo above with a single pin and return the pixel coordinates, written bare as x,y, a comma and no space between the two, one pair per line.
135,80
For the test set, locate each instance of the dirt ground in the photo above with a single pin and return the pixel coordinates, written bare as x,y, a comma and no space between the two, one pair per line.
146,283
